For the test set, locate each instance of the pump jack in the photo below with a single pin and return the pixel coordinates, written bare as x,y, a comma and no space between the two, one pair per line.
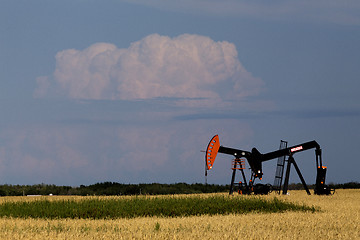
255,159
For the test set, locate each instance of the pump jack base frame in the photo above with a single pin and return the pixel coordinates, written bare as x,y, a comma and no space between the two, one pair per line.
243,186
263,189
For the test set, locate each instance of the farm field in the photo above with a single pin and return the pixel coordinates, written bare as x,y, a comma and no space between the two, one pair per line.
338,218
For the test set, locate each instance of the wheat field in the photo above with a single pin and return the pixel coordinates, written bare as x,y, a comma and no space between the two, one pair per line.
338,218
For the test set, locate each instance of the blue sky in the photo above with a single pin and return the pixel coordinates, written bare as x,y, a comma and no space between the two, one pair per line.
132,91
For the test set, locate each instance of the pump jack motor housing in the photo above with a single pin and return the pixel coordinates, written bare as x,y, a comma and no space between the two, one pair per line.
255,160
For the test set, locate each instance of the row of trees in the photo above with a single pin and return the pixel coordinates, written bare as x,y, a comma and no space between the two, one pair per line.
114,188
110,188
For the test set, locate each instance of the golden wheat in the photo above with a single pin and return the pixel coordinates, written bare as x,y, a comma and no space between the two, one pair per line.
338,219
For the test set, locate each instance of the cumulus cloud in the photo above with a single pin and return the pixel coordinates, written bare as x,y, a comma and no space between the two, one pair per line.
187,66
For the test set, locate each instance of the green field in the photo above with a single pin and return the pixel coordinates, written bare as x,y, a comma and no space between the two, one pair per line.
112,208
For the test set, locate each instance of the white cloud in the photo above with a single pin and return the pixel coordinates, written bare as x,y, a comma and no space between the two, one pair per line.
86,74
187,66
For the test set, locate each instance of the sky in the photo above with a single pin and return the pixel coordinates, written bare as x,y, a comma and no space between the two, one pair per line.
132,91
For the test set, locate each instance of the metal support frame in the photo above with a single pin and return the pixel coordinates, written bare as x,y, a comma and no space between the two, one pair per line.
241,168
232,182
290,161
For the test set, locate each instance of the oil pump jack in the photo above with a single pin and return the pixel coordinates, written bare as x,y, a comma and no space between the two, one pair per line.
255,160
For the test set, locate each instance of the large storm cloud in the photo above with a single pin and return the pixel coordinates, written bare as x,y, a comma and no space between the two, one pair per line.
187,66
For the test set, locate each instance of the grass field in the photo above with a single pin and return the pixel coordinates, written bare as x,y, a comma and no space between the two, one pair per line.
338,218
145,206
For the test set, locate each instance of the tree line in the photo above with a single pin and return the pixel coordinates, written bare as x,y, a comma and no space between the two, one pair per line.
111,188
114,188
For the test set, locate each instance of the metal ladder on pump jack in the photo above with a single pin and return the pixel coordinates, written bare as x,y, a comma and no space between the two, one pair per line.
279,169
